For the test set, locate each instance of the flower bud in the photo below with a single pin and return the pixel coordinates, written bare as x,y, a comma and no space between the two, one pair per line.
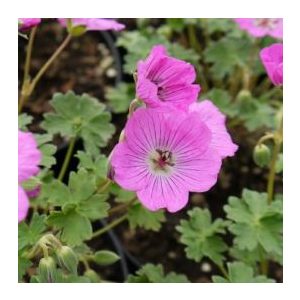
47,270
244,95
92,275
67,259
262,155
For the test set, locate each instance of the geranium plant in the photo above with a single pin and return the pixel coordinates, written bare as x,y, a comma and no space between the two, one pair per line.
165,158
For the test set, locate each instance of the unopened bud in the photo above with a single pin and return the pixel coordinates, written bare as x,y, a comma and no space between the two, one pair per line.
244,95
67,259
262,155
92,275
47,270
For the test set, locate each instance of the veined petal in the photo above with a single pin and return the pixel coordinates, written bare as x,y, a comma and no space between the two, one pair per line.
23,204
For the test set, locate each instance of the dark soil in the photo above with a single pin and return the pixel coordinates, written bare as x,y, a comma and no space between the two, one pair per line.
88,66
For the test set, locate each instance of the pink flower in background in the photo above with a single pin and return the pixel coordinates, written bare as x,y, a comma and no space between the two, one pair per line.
215,121
262,27
26,23
272,59
29,158
166,82
94,24
166,155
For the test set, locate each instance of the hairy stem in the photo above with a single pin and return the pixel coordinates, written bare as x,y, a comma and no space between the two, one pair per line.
26,77
49,62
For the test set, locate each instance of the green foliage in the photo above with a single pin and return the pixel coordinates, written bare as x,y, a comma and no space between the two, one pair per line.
48,150
95,165
150,273
201,236
239,272
23,264
120,97
80,116
222,99
105,257
139,45
75,227
226,54
255,222
120,195
29,234
80,204
23,121
138,216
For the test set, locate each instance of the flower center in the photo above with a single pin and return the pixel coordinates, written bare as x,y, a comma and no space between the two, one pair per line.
266,23
161,161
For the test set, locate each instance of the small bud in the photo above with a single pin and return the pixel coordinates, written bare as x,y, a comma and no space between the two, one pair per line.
47,270
92,275
67,259
262,155
244,95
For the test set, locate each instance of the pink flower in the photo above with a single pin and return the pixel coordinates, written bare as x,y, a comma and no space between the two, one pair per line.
215,121
262,27
166,82
26,23
272,59
166,155
94,24
29,158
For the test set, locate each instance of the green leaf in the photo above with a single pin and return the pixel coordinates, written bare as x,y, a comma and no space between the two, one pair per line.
23,121
48,150
75,227
150,273
226,54
239,272
255,222
121,195
82,116
138,216
95,165
56,193
23,265
105,257
222,99
82,185
96,207
200,235
120,97
28,235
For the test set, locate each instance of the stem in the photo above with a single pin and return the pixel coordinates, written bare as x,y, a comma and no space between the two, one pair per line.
109,226
28,54
49,62
121,206
67,159
85,263
193,38
26,78
272,172
223,270
264,264
103,187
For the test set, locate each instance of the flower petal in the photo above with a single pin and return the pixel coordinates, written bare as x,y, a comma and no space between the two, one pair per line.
215,120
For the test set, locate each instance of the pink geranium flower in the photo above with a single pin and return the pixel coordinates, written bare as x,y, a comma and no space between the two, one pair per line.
29,158
166,82
272,59
26,23
262,27
166,155
94,24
